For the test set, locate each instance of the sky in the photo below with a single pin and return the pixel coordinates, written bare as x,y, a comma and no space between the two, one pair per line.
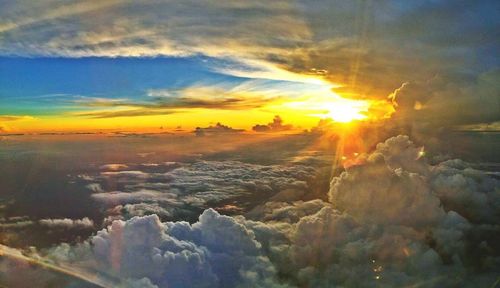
217,143
75,66
144,93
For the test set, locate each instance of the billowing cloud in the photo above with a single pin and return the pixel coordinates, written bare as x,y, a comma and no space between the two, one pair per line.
215,251
442,102
387,182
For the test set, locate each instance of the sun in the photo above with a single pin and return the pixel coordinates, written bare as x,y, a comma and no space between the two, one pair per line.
346,111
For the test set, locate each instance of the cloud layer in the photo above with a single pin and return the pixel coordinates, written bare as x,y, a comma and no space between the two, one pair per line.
393,220
171,189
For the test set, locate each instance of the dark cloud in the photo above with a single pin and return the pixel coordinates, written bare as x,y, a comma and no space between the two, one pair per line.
217,129
275,126
441,102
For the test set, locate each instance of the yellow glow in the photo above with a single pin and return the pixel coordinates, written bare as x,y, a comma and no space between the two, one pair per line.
324,103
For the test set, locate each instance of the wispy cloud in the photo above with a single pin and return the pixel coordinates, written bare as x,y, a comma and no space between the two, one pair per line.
9,118
168,101
372,47
53,11
123,113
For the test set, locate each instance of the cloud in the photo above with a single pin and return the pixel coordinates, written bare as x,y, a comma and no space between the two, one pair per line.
218,128
142,209
369,48
113,167
8,118
11,118
285,212
275,126
65,223
119,198
4,128
249,94
94,101
445,102
374,231
470,192
123,113
392,220
18,222
19,270
215,251
164,101
174,190
386,181
481,127
144,32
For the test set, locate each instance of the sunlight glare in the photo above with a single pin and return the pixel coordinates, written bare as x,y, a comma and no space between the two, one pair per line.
324,103
345,111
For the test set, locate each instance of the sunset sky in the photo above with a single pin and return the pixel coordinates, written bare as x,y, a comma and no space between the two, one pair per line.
82,94
249,143
125,65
